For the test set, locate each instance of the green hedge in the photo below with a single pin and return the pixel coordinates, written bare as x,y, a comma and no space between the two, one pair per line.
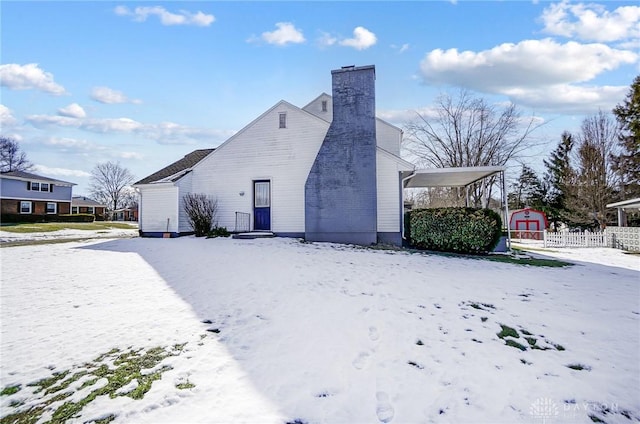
461,230
16,218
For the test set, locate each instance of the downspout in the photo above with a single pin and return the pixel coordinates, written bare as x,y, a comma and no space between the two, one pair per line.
402,187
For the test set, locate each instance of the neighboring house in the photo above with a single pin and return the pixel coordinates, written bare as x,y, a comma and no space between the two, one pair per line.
125,214
81,204
329,171
30,194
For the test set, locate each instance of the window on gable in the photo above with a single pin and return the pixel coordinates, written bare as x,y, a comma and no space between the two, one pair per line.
25,207
44,187
324,105
51,207
283,120
35,186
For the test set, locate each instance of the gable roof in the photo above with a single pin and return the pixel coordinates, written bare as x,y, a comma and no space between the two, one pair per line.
178,167
28,176
85,201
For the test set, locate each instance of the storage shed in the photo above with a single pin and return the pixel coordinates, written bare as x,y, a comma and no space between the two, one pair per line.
528,224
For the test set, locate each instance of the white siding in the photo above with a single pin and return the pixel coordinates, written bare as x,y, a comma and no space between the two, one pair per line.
388,137
315,107
159,203
262,151
184,187
389,196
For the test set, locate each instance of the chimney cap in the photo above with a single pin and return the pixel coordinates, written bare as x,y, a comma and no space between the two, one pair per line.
354,68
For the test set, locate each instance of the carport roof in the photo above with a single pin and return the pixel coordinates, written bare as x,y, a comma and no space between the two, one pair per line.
626,204
451,177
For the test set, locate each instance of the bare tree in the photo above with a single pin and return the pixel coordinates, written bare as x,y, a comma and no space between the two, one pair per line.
109,182
12,158
595,177
201,212
467,131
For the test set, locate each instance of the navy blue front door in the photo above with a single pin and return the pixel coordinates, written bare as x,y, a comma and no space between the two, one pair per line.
261,205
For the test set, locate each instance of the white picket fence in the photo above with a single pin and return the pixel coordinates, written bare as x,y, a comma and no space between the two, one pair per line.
568,239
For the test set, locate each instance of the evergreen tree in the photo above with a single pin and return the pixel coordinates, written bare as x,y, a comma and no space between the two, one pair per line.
559,177
627,163
527,191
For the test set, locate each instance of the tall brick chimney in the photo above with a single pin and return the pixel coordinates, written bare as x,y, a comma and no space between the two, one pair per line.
340,192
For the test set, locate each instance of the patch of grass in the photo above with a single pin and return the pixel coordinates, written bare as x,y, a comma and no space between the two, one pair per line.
483,319
550,263
508,332
525,332
579,367
558,346
127,366
595,419
10,390
531,340
482,306
186,385
57,226
45,383
515,344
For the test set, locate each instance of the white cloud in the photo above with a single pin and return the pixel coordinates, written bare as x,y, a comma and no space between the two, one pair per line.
569,98
110,96
6,117
88,149
285,33
163,133
74,110
29,77
592,22
327,40
183,17
67,144
362,39
60,172
129,155
521,70
401,49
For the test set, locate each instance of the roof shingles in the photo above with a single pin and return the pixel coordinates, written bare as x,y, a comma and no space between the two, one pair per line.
183,164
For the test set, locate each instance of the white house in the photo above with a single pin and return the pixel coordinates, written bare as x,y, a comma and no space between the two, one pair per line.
329,171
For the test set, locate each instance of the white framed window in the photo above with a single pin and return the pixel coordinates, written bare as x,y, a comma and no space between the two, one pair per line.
283,120
51,207
91,209
74,209
44,187
35,186
324,105
25,207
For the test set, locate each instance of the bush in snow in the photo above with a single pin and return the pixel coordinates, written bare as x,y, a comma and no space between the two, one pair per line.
461,230
201,212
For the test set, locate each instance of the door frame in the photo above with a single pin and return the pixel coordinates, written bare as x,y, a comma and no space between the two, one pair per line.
268,208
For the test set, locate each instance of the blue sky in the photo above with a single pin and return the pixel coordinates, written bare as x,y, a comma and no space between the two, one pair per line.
144,83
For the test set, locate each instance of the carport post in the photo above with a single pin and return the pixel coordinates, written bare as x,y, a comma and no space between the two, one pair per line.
506,208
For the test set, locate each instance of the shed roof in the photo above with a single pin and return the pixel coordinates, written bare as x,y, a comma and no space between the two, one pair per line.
177,167
451,177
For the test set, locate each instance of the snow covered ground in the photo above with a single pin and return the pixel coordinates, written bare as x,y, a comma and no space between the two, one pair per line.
280,331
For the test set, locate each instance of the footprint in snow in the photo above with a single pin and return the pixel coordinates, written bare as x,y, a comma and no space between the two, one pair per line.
373,334
384,410
361,361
